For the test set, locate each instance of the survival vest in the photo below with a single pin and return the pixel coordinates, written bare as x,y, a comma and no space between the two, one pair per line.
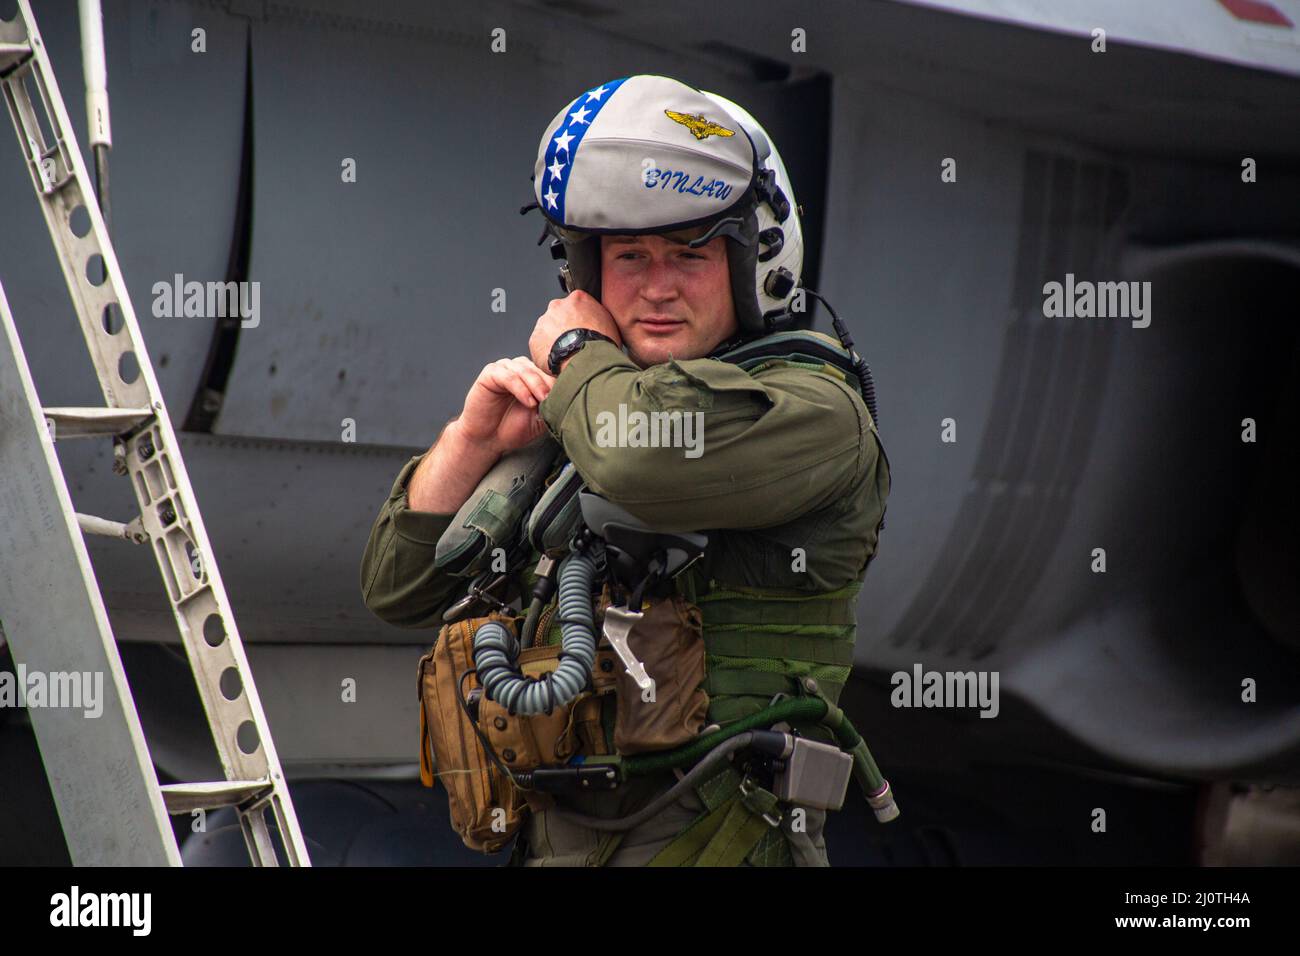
759,643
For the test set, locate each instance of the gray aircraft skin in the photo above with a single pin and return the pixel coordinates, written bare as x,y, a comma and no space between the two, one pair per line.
1120,690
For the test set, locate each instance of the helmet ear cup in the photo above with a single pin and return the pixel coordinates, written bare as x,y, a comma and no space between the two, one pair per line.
742,263
582,270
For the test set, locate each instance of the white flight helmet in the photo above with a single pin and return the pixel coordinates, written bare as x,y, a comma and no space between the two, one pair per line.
649,154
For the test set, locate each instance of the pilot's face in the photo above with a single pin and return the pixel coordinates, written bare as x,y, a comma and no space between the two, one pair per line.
669,301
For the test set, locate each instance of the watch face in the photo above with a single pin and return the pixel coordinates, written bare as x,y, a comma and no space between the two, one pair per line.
570,342
566,343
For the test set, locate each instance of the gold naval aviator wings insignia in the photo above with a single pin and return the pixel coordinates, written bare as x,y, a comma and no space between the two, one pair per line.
698,125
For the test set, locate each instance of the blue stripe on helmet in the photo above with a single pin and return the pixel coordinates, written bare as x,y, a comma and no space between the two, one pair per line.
569,135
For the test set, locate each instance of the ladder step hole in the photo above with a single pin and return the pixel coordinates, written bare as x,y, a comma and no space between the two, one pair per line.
8,10
232,685
95,270
214,631
112,319
247,738
79,222
128,368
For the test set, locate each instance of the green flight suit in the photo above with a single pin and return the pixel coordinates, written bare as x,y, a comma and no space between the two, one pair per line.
790,484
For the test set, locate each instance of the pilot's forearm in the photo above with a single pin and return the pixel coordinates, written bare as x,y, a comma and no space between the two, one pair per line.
448,473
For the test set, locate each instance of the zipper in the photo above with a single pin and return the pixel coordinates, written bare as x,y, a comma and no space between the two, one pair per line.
544,623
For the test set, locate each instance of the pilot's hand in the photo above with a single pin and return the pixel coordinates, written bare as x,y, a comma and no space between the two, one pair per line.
501,408
577,310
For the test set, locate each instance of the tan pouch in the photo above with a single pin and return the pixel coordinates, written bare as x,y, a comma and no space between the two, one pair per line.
485,807
477,789
669,641
526,742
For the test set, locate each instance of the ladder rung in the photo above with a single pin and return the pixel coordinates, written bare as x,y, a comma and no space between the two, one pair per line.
11,53
94,422
188,797
133,531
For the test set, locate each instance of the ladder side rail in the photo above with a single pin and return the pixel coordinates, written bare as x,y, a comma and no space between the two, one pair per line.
57,176
100,773
257,836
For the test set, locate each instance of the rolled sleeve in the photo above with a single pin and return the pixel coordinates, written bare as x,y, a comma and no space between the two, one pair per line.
398,581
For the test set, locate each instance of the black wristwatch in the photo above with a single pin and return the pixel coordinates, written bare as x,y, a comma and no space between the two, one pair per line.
570,342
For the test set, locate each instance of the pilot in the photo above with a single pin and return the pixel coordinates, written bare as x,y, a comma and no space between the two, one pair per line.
683,247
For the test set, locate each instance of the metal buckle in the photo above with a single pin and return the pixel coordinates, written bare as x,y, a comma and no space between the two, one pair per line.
747,790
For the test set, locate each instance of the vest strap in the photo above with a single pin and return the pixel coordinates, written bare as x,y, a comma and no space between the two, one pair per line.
721,682
728,832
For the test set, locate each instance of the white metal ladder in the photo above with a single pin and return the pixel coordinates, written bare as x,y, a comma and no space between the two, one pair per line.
110,804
